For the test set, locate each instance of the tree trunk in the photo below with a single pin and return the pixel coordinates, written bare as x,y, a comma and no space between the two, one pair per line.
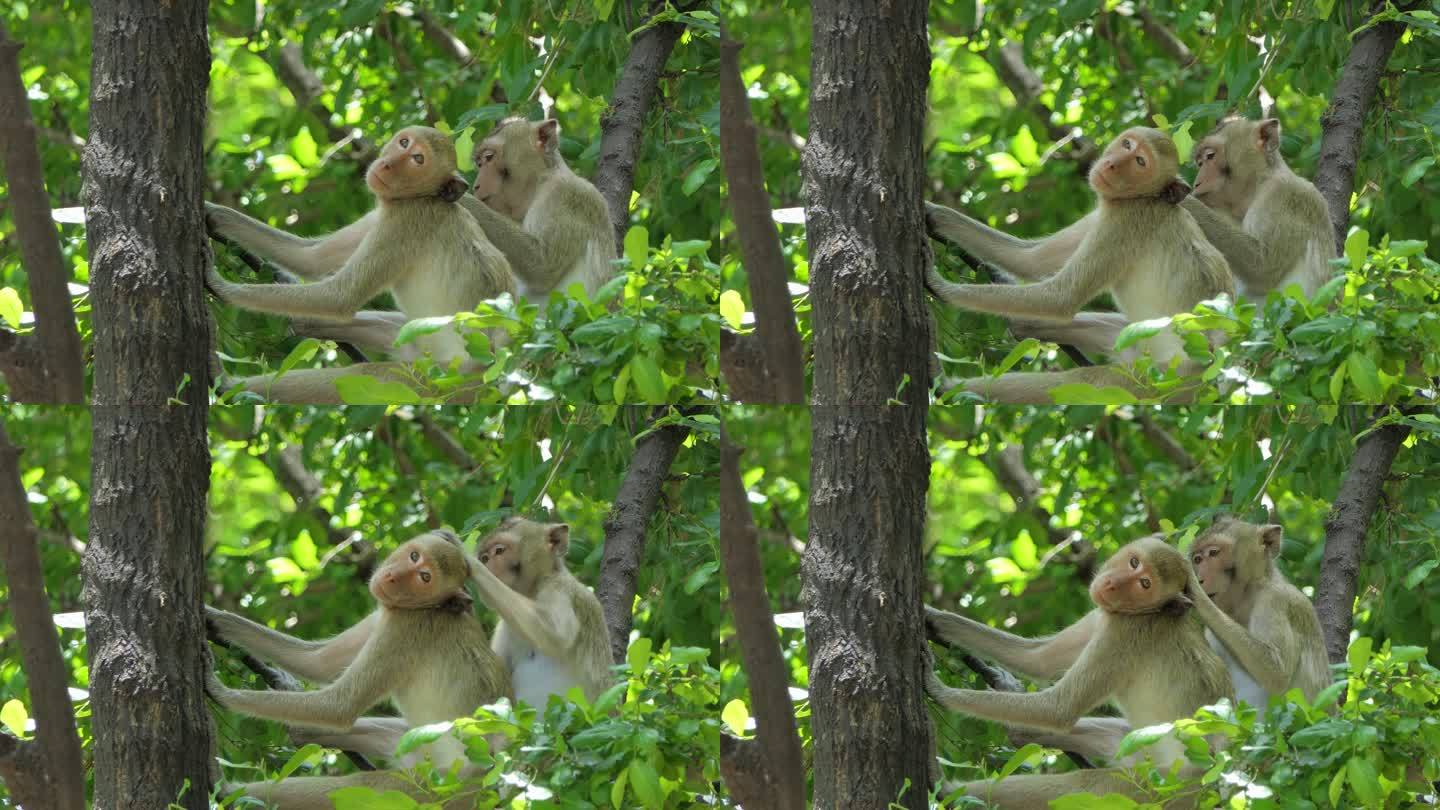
144,568
864,568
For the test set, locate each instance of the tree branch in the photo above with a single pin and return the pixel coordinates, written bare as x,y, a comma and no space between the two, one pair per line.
23,365
1008,465
769,770
48,772
1165,38
625,530
621,125
307,88
58,337
765,267
305,489
1009,63
1345,530
1168,444
1342,123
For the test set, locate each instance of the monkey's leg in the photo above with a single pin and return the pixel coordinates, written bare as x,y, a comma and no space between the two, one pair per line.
1093,333
372,737
374,330
312,792
1034,792
1034,387
1095,738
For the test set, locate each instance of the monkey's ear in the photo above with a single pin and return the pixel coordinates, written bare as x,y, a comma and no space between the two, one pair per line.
1178,605
1269,135
1176,191
458,603
453,188
1270,537
547,135
558,536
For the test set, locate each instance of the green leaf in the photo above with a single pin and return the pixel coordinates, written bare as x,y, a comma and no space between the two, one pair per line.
299,758
735,715
1405,653
284,167
302,353
360,12
621,385
686,248
1329,291
1365,376
1018,758
1359,654
304,148
1024,148
617,790
1184,141
422,326
646,783
1323,8
1141,737
697,176
638,656
637,246
10,307
362,389
732,308
1418,574
1417,169
1135,332
1357,244
1337,384
1087,394
1004,165
1364,781
1320,328
1089,801
647,378
1021,350
1336,785
604,7
422,735
364,798
13,715
1407,247
1328,695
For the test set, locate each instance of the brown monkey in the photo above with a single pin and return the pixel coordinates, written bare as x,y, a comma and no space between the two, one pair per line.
1264,628
432,661
1138,244
551,634
418,243
550,223
1140,648
1272,225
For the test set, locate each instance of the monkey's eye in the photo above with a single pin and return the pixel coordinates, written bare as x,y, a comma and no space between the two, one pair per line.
404,142
414,556
499,550
1197,558
484,558
425,577
1214,552
1145,583
1127,144
419,159
486,157
1140,159
1134,562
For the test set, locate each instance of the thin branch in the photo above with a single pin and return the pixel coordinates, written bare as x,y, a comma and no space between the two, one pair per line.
621,126
771,773
443,38
1167,444
51,773
765,266
49,277
1345,530
448,445
1165,38
1343,122
625,529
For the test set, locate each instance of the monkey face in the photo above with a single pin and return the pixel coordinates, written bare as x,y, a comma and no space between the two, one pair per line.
1143,577
417,162
1213,558
509,162
1211,169
1136,164
416,575
502,557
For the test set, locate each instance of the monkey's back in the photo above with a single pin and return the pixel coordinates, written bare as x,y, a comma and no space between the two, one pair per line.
452,670
1176,672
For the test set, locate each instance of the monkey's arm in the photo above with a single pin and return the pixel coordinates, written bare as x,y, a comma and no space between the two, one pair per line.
550,625
369,678
1270,652
1057,298
540,258
1241,250
1057,708
307,258
1028,259
367,272
312,660
1045,658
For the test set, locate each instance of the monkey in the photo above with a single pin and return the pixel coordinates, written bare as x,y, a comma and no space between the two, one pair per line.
1138,243
432,660
1272,225
551,634
1264,628
418,242
1139,647
550,223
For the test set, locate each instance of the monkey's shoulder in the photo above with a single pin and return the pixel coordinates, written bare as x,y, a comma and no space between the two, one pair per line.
570,192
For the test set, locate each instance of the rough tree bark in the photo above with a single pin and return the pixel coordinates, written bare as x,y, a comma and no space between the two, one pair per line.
1345,530
46,772
57,341
144,570
621,126
863,569
783,380
625,530
1343,122
769,770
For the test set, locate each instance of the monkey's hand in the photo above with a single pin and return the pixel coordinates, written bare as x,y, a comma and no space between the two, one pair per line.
216,284
218,218
217,691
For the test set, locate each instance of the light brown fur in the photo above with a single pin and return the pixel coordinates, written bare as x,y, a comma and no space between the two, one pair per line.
1139,648
1272,225
432,660
550,223
1138,245
427,251
1264,627
552,628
